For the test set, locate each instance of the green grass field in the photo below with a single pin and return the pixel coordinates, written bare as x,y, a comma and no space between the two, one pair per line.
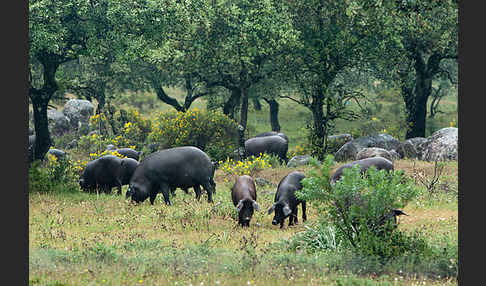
90,239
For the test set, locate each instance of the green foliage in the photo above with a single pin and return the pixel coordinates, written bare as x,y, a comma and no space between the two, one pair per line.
211,131
125,129
249,166
53,176
359,208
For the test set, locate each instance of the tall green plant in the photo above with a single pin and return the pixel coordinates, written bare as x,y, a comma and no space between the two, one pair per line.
360,208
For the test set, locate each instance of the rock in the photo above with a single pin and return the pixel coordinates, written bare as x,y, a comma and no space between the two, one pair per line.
335,142
374,152
349,150
72,144
59,124
441,145
411,148
59,154
263,182
394,155
298,160
79,111
110,147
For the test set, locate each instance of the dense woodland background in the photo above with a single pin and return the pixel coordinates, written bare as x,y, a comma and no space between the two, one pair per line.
334,62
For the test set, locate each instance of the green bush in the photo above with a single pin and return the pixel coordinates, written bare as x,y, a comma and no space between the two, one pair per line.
53,176
211,131
125,129
358,208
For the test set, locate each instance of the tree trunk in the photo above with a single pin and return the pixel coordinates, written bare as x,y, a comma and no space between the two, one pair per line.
40,100
233,101
42,136
318,124
159,90
256,104
416,98
273,104
244,108
416,113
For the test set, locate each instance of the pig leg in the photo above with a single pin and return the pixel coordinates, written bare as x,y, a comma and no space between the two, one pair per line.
209,189
304,214
119,186
152,198
294,214
164,189
197,191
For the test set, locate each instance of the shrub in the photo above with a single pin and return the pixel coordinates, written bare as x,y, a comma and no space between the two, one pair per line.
53,176
358,208
127,129
211,131
301,149
246,167
92,143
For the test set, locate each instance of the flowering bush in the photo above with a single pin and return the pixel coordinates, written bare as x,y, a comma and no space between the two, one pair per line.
300,149
246,167
211,131
53,176
128,129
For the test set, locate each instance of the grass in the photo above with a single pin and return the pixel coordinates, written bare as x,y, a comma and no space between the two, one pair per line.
80,239
89,239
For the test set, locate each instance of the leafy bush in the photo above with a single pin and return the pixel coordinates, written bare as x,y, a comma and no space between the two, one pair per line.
301,149
359,209
53,176
246,167
211,131
126,129
92,143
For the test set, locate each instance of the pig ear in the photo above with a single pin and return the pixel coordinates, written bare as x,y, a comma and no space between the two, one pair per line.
270,210
286,210
256,207
239,205
129,192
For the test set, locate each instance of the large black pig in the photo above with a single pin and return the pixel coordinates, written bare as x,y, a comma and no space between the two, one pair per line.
129,153
243,195
285,202
128,168
380,163
271,133
179,167
103,173
275,145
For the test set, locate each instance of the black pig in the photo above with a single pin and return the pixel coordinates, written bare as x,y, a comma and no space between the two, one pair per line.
285,202
243,194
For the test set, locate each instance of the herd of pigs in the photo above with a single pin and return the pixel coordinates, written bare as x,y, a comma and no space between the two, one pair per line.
189,167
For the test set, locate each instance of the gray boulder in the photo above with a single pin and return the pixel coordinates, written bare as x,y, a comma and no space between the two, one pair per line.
79,111
335,142
59,123
394,154
298,160
72,144
411,148
349,150
374,152
441,145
